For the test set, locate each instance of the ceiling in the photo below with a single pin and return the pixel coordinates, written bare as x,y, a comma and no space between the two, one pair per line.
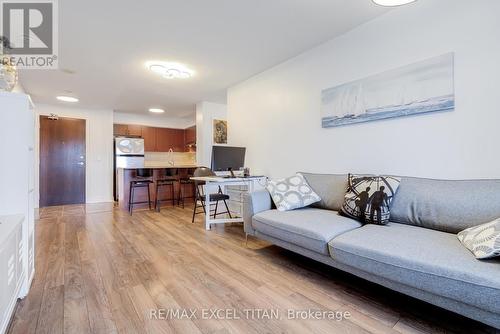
103,46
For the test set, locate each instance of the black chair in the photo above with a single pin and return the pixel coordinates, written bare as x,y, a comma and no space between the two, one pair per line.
142,179
168,179
200,196
185,180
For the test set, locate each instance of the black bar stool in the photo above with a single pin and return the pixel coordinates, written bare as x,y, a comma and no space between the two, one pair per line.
167,180
185,180
143,178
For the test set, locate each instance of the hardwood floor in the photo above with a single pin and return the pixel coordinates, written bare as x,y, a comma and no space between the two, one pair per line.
99,270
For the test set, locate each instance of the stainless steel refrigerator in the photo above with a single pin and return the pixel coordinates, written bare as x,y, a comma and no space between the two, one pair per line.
129,153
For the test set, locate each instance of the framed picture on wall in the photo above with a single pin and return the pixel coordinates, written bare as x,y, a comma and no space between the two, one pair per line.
420,88
220,131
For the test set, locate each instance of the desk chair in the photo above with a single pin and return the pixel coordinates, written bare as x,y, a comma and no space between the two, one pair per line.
200,195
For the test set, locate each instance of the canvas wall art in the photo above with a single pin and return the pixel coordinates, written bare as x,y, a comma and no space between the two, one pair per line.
420,88
220,131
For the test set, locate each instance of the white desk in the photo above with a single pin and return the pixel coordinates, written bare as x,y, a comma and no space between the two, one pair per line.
212,184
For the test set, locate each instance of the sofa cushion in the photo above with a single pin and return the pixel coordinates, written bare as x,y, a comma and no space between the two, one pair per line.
292,193
449,206
330,187
483,240
368,198
425,259
309,228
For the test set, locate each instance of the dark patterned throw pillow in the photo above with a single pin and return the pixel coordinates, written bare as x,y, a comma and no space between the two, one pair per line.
368,198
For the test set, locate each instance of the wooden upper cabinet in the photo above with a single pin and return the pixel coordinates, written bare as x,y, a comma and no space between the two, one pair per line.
120,129
178,142
127,130
149,136
167,139
190,139
157,139
164,139
135,130
190,135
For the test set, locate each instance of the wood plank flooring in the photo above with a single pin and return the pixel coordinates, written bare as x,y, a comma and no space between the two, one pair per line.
99,270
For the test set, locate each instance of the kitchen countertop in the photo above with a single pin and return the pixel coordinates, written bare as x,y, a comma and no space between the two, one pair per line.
160,166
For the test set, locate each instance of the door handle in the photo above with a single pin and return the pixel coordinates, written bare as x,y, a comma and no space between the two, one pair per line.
81,163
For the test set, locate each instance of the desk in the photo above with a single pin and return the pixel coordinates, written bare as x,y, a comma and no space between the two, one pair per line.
211,186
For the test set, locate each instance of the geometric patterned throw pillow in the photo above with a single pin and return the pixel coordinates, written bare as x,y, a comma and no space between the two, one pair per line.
368,198
292,193
482,240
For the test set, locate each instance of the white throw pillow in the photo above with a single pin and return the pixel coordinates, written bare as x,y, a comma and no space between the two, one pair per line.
292,193
482,240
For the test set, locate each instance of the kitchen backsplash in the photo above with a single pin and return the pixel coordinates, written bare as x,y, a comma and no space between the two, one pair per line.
179,158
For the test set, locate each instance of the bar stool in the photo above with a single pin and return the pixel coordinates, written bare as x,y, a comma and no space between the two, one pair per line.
185,180
167,180
143,178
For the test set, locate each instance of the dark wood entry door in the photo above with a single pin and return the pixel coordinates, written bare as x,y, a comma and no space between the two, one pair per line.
62,161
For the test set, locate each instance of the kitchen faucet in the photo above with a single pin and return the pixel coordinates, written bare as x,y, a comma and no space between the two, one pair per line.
171,161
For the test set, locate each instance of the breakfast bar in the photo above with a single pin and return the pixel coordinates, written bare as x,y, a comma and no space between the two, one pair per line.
127,174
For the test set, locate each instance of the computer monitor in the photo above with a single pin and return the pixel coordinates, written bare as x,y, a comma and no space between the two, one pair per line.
227,158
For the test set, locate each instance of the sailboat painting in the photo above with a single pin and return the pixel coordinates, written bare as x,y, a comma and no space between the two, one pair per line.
423,87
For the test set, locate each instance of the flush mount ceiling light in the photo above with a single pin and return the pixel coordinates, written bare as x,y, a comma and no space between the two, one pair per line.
170,70
156,110
67,98
392,3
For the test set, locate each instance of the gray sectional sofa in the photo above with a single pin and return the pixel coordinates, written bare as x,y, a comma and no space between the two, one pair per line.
417,253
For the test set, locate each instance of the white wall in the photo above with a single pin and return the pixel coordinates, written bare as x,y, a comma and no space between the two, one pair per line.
18,88
160,120
277,113
206,112
99,147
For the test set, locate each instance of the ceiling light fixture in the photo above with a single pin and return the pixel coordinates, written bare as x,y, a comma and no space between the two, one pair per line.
67,98
156,110
170,70
392,3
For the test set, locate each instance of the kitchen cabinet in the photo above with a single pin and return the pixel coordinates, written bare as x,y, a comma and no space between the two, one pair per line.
160,139
120,129
167,139
134,130
149,135
164,139
190,139
190,135
178,140
127,130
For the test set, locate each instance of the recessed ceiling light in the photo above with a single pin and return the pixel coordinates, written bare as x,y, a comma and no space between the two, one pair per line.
156,110
184,75
392,3
170,70
157,69
67,98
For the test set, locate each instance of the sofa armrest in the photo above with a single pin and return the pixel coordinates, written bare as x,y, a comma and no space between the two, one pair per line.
253,203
